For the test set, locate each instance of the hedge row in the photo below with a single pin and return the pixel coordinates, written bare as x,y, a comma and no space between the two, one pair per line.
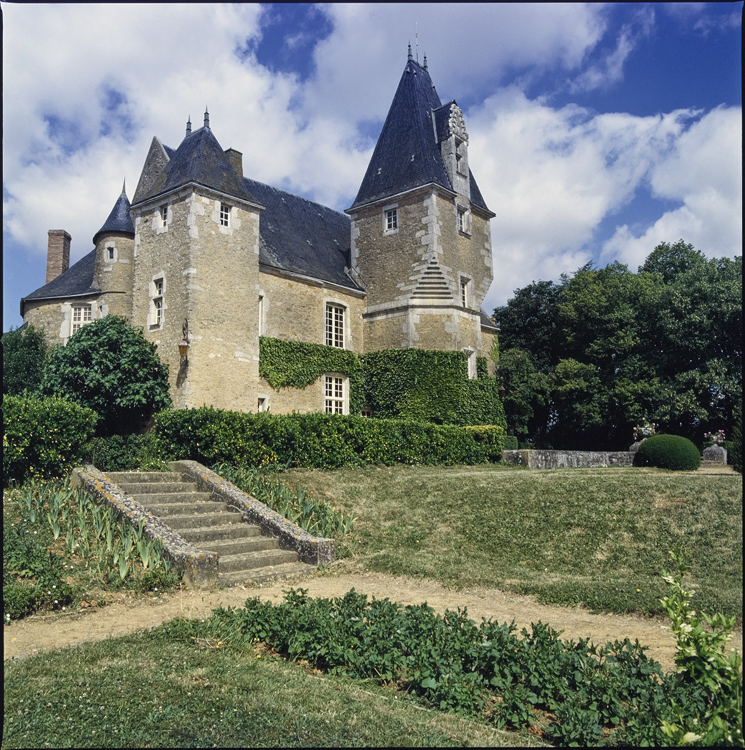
43,438
325,441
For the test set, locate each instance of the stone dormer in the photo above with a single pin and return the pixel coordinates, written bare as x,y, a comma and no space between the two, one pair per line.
452,137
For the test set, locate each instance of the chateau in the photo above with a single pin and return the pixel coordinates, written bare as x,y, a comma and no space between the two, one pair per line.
212,260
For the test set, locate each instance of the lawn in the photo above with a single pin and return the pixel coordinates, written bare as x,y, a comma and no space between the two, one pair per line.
596,537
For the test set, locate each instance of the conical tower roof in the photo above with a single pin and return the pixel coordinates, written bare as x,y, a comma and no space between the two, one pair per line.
407,154
119,219
199,159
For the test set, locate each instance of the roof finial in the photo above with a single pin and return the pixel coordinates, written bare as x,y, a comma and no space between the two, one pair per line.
188,126
206,118
416,25
409,58
124,187
425,62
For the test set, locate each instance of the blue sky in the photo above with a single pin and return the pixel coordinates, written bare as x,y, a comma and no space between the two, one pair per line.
596,131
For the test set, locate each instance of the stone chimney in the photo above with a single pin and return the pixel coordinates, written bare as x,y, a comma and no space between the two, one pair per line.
58,253
236,159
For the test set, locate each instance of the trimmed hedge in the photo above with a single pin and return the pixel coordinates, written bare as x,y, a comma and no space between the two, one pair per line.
668,452
43,438
322,441
125,453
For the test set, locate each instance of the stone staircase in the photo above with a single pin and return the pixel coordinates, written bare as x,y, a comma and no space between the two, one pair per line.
245,556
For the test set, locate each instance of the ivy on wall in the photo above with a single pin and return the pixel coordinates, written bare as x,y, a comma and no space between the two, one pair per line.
297,364
415,384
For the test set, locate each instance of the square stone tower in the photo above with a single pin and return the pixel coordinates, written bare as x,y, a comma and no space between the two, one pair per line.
196,265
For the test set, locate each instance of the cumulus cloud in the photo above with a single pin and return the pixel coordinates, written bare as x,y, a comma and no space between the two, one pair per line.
703,171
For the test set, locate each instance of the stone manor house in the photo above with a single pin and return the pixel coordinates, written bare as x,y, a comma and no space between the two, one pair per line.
407,265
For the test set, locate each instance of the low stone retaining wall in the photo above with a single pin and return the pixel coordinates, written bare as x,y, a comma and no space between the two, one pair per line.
310,549
540,459
198,566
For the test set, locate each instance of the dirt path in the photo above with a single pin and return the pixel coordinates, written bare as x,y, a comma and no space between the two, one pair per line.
127,614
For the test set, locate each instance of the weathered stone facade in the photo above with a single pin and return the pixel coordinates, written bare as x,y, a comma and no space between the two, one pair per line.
208,254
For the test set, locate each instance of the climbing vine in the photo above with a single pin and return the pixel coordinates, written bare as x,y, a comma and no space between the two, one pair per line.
297,364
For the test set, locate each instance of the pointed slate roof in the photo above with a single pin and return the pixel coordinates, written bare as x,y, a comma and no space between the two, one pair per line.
119,219
300,236
75,282
199,159
407,154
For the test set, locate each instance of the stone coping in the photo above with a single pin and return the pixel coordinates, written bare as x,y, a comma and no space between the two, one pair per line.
310,549
199,567
545,459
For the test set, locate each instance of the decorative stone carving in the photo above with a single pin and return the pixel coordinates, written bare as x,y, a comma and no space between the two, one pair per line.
457,124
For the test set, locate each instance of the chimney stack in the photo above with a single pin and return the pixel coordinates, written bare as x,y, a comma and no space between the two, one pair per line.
236,160
58,253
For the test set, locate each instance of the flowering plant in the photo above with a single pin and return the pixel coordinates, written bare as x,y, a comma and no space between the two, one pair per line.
644,431
714,438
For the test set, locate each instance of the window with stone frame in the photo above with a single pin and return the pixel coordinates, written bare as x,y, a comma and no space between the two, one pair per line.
335,325
157,306
224,215
391,219
164,215
81,314
335,394
465,291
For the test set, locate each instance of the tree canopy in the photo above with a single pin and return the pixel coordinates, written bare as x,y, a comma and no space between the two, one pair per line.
617,347
24,355
110,367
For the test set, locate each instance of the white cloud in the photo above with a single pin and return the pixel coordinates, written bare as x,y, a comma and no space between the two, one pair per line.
704,172
561,174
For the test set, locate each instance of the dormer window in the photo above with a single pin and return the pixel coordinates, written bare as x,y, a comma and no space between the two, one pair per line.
224,215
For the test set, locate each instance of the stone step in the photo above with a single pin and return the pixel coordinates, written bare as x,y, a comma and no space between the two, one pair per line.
262,575
181,509
192,521
260,559
156,498
159,488
224,547
236,530
145,476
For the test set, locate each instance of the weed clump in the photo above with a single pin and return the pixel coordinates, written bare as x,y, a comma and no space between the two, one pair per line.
668,452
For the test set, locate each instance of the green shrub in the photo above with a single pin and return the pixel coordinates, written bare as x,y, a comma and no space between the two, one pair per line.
668,452
24,355
125,453
510,443
43,437
319,441
735,452
110,367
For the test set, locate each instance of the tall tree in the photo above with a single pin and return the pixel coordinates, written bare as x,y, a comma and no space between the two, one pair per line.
24,355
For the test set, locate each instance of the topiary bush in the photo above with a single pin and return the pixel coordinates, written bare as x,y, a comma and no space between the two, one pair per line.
43,437
668,452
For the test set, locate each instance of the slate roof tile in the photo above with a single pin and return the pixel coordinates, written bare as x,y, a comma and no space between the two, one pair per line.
76,281
119,219
301,236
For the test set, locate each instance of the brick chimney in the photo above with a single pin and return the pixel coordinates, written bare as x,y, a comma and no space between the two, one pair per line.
236,159
58,253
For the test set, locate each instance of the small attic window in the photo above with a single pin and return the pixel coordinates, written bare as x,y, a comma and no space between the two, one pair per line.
110,254
163,214
224,215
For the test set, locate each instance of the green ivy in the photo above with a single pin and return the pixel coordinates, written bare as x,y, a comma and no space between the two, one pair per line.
297,364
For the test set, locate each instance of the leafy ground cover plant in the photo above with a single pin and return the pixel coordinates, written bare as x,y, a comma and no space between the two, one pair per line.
314,516
702,663
595,537
152,689
569,693
59,546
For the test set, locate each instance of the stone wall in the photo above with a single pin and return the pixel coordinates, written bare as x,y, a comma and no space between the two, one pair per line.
114,276
211,278
53,317
540,459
